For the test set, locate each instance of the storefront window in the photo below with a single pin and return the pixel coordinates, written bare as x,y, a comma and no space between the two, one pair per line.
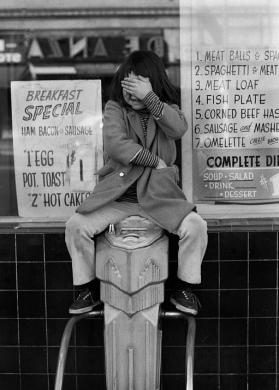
37,57
11,68
230,89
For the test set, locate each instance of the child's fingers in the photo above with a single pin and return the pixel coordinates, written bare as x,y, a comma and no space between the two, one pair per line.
132,79
128,90
129,82
127,85
141,78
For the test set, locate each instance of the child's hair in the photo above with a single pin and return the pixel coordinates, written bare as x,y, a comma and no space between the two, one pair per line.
147,64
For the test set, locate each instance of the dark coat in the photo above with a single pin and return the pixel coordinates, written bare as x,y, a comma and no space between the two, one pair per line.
158,192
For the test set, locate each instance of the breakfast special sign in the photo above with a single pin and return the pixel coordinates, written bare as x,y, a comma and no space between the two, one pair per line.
57,139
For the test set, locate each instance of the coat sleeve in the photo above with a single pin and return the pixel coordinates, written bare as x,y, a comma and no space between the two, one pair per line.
117,143
172,122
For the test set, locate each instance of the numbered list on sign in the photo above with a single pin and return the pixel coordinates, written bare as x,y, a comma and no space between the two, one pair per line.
235,100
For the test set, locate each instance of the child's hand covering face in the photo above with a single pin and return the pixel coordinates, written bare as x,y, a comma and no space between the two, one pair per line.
137,86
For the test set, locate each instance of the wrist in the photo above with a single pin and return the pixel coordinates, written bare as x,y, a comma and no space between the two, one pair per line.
153,104
148,95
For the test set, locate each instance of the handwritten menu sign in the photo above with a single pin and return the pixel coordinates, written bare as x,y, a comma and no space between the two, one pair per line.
57,144
235,100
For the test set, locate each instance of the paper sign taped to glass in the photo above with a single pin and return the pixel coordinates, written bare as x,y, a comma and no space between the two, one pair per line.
58,148
235,124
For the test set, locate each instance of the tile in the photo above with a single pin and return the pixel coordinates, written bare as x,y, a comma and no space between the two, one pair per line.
262,359
55,248
9,382
173,332
233,360
31,304
59,276
173,360
204,382
34,381
262,381
89,382
233,246
262,274
58,303
90,360
33,360
32,332
262,303
262,331
69,382
31,276
233,274
55,329
209,302
170,382
209,275
206,360
233,331
262,245
7,245
7,276
53,360
212,247
9,360
206,332
233,303
8,332
29,247
90,332
233,382
8,304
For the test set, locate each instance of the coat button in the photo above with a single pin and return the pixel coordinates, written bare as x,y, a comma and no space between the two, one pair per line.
121,174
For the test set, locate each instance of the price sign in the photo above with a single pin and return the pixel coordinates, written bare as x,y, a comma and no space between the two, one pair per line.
57,140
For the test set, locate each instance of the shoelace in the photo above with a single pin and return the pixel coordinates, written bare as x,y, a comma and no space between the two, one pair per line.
81,297
86,296
191,297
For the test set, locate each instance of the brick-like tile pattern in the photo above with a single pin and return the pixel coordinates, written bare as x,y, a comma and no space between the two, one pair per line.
237,328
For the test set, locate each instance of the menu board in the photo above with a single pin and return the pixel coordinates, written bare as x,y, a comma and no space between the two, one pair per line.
235,105
57,139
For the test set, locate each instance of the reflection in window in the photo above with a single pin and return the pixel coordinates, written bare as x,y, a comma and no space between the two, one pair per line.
68,55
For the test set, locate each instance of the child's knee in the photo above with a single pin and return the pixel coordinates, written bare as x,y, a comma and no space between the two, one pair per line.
193,225
73,226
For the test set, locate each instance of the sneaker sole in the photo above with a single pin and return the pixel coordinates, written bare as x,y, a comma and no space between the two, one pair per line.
183,308
84,309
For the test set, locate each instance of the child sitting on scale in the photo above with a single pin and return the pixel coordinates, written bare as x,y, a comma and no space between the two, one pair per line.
141,123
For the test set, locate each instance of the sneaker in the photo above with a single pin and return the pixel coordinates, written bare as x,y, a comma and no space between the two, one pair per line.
84,302
186,301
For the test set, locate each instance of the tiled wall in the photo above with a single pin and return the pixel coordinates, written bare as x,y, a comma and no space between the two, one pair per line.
237,328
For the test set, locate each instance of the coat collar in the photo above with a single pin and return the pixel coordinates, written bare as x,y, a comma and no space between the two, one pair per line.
135,123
